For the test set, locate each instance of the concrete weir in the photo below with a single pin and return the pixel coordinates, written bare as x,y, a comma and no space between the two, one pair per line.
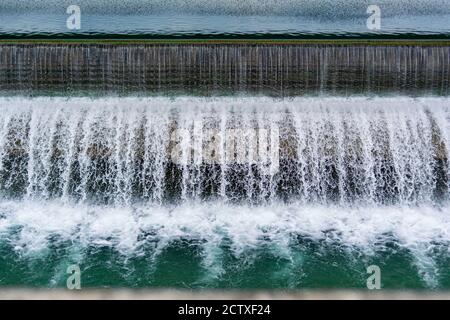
215,67
256,148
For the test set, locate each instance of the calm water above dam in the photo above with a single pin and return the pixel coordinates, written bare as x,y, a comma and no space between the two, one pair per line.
248,19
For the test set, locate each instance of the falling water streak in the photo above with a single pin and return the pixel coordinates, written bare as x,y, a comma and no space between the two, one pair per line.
223,163
442,118
48,153
273,152
248,139
83,159
368,159
156,137
31,154
66,166
3,133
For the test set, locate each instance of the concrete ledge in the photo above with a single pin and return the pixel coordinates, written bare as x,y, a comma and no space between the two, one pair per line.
168,294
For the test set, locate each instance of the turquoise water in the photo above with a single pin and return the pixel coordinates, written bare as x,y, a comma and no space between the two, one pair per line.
310,264
33,256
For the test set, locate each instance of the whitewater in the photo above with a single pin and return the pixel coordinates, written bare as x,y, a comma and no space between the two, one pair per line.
364,176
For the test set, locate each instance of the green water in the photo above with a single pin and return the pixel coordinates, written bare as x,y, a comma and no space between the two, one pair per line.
310,264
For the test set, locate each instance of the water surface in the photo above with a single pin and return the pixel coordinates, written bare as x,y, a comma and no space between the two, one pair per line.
355,182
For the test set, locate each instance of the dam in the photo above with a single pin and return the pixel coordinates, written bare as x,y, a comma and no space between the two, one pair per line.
231,145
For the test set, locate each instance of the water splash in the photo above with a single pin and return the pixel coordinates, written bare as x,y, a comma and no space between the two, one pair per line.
32,228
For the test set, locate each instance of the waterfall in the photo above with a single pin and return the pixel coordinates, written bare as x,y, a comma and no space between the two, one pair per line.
208,69
321,8
224,185
257,150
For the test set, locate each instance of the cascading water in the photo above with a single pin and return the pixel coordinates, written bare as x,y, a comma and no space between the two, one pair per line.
234,181
266,153
219,19
208,69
